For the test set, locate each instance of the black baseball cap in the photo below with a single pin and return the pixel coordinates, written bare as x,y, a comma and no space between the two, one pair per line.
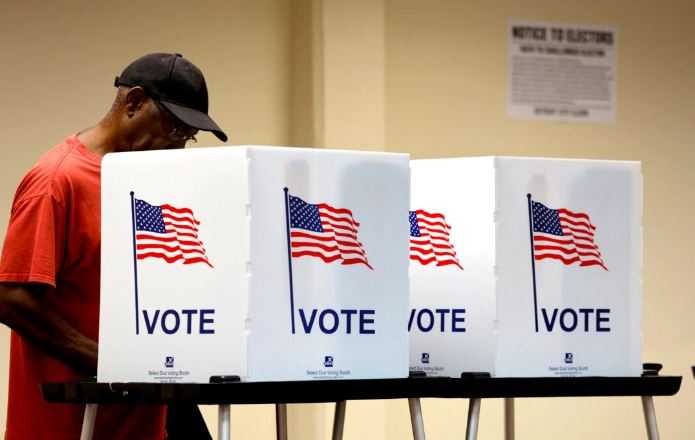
175,82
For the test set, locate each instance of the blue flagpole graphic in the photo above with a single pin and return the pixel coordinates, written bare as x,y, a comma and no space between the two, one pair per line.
135,265
289,252
533,259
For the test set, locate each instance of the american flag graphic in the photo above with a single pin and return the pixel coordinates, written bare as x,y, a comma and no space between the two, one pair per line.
324,232
168,233
564,235
429,239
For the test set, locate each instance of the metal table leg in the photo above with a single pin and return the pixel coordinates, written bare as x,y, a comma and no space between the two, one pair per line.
416,418
281,421
223,431
473,418
339,420
650,418
90,415
509,418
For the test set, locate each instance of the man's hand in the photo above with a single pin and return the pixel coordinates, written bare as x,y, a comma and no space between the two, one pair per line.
23,310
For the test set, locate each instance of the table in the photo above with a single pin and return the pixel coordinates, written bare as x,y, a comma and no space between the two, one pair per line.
281,393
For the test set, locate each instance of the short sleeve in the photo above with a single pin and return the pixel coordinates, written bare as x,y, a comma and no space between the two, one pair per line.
35,241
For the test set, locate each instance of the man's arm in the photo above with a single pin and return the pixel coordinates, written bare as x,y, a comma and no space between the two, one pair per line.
22,309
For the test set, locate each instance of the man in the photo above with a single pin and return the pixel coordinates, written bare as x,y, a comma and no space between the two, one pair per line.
50,264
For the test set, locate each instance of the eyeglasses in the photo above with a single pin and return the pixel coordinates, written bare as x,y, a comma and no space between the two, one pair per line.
179,130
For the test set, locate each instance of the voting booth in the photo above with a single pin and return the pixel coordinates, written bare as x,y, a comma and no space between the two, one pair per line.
526,267
452,284
267,263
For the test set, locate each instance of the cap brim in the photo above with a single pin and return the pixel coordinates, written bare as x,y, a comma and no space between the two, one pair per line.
195,119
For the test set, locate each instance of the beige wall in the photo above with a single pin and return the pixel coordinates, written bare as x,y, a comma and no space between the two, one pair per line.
58,61
446,96
428,78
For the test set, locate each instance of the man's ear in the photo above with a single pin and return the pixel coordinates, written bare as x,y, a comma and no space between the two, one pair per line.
134,100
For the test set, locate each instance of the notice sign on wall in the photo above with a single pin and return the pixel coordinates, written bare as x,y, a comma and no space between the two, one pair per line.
560,71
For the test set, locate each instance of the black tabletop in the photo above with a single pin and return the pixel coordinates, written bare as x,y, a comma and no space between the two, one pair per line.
336,390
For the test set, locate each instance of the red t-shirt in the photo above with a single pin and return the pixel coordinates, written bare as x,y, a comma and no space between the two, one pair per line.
54,238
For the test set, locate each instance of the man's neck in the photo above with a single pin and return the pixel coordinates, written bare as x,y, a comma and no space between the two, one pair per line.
99,139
